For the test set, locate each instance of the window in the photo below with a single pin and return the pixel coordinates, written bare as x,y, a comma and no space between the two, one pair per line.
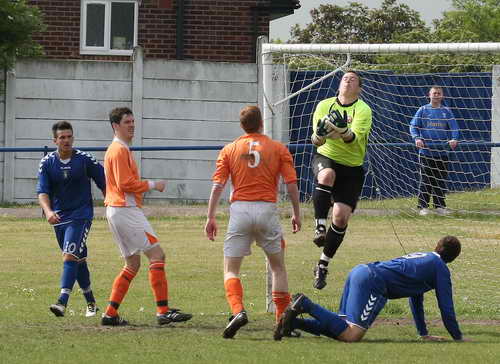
108,27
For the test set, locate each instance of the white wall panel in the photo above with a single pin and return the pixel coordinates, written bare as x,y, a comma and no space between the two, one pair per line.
192,110
74,89
193,70
200,90
74,70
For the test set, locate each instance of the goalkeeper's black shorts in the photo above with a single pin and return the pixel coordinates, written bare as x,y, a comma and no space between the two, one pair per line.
348,180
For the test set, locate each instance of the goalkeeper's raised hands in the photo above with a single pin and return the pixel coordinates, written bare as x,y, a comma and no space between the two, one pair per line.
324,127
338,123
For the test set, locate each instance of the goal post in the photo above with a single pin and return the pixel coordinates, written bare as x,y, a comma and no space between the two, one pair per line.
295,77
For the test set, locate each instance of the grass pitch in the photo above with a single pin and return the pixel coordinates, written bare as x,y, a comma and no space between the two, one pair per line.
30,266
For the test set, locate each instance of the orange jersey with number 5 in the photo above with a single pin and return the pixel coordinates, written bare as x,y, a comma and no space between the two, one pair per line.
254,162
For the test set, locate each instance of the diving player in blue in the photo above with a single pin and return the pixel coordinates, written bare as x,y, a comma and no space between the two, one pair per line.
64,193
369,286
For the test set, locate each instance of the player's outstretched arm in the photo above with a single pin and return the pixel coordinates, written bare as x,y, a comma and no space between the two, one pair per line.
293,192
211,224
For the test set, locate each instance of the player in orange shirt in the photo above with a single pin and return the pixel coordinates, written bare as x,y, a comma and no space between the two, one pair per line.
129,225
254,163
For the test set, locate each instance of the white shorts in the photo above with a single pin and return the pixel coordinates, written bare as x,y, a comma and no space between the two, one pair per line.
251,221
132,231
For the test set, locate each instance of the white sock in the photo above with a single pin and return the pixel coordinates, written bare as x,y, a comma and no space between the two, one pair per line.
324,257
321,222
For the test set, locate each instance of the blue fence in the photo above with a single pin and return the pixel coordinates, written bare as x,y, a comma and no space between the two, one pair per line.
394,99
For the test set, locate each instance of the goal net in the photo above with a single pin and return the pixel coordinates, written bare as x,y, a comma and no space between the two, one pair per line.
396,81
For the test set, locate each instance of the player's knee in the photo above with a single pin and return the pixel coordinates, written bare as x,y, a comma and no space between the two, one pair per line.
352,334
340,221
340,216
156,254
133,266
326,177
133,262
277,261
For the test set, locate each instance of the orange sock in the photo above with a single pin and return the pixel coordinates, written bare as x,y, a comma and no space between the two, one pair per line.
281,301
159,285
234,294
119,290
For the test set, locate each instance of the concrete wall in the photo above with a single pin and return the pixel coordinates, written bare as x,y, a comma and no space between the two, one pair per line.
176,103
79,92
192,103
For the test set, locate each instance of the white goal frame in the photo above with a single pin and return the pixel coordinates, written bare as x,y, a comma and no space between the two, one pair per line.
268,101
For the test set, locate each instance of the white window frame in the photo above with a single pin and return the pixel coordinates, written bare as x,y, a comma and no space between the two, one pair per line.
106,49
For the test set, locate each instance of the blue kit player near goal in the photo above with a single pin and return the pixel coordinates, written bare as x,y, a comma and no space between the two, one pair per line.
64,193
369,286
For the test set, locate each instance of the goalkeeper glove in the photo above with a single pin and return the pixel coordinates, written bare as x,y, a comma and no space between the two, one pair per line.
339,124
324,126
318,140
324,129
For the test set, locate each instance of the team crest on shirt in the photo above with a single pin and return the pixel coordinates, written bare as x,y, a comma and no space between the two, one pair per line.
65,172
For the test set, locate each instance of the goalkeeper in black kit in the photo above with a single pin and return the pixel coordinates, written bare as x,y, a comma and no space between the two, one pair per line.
341,127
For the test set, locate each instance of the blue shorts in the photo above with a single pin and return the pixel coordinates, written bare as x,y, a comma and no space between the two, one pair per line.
362,299
72,237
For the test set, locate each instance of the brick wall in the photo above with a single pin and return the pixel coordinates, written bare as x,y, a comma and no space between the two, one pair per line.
223,30
213,30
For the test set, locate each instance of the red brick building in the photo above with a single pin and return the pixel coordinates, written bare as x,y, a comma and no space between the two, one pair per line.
208,30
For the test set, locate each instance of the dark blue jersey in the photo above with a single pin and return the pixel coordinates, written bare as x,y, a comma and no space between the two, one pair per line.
68,184
434,125
414,274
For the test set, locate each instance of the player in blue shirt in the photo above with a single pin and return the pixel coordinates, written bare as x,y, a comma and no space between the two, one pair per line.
64,193
369,286
432,125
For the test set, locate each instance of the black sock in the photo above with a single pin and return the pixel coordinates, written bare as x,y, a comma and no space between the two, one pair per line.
334,237
322,200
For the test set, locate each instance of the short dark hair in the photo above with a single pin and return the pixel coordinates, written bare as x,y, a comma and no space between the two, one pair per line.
116,115
448,248
61,125
436,87
251,119
360,81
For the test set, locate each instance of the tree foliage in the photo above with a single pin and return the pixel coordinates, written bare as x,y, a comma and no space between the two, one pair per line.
18,22
469,21
356,23
477,19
